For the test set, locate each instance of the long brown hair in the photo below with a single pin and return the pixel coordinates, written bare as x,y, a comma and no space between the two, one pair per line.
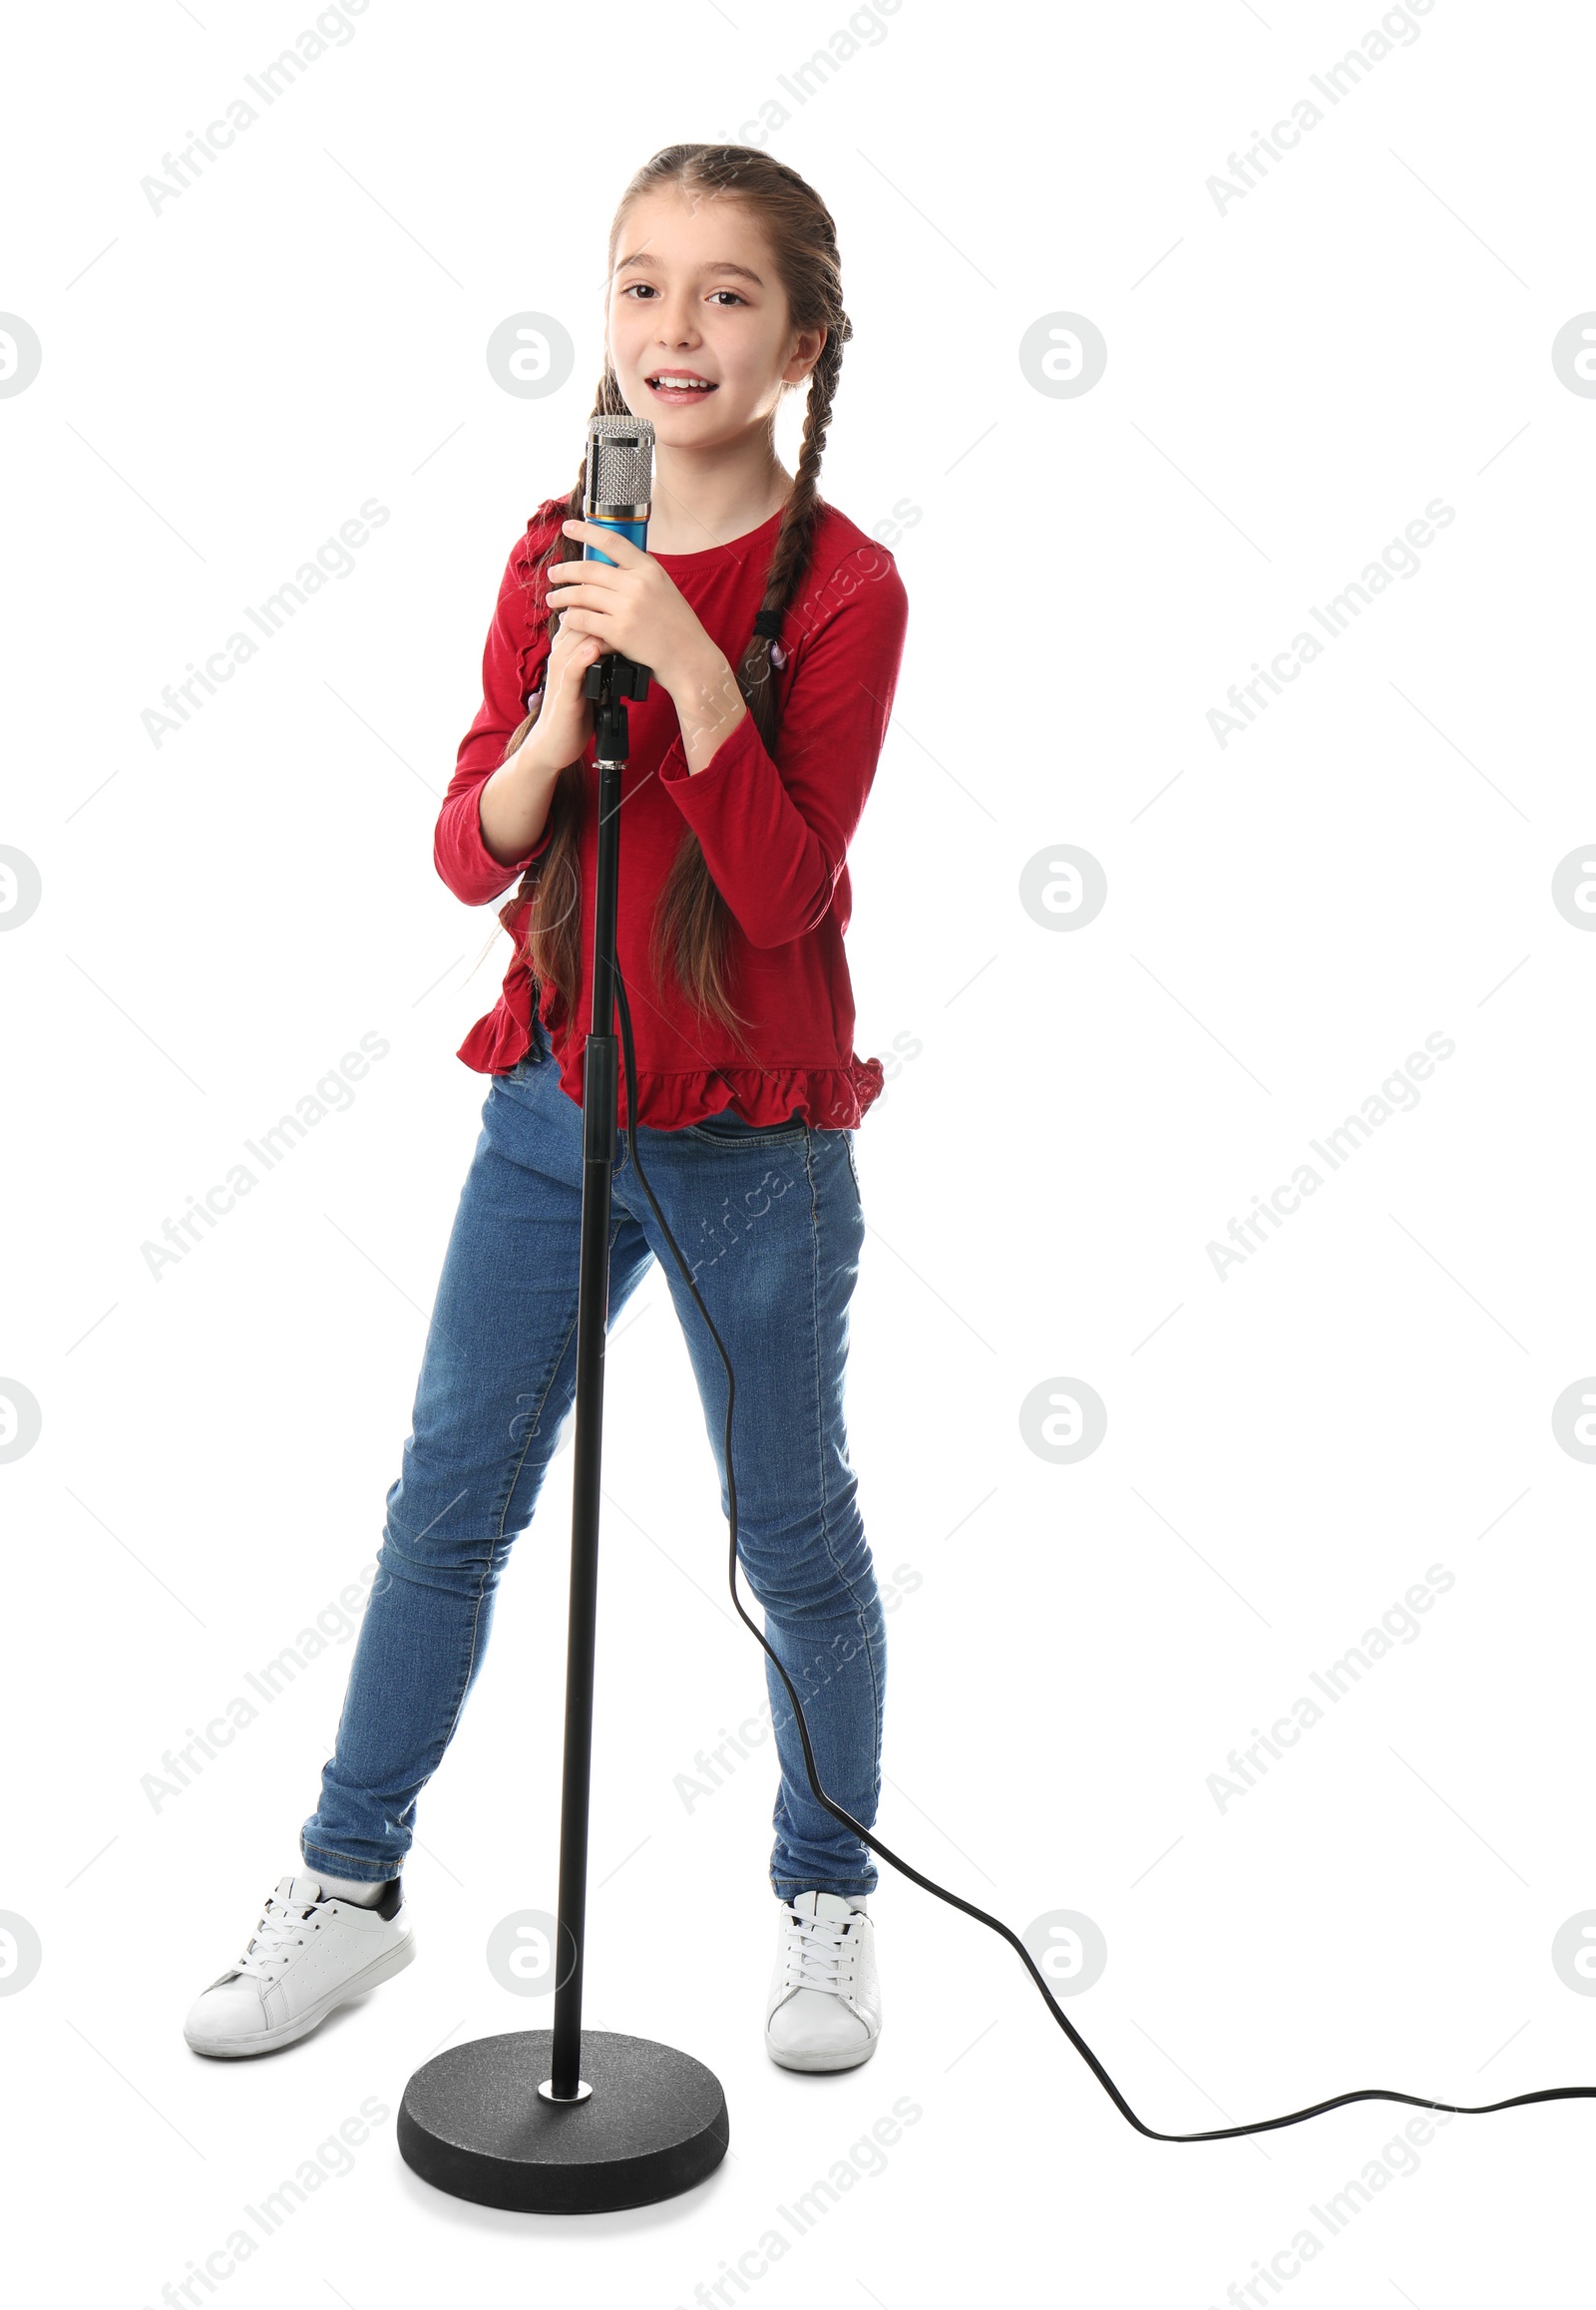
691,919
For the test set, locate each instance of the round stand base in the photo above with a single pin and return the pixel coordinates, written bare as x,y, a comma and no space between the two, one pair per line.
473,2123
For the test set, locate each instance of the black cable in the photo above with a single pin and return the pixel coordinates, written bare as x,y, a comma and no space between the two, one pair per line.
884,1853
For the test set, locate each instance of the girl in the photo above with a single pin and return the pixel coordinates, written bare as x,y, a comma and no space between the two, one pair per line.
773,629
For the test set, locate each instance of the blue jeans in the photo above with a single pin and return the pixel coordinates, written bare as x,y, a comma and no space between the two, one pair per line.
769,1221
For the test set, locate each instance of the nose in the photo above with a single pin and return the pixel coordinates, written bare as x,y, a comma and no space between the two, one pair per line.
674,322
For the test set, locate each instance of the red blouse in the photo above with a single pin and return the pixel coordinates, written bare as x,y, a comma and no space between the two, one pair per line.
775,834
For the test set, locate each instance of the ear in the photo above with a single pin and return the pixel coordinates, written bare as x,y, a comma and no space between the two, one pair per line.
807,347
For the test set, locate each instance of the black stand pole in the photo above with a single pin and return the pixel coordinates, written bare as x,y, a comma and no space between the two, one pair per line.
563,2121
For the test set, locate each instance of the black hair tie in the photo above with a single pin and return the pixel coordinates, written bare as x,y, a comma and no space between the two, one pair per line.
768,624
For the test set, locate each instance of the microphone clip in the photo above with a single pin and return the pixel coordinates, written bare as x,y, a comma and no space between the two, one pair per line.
610,681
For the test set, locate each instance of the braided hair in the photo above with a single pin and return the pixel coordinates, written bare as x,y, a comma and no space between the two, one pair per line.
692,923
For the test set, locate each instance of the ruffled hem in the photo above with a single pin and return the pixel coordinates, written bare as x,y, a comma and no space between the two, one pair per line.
496,1043
831,1098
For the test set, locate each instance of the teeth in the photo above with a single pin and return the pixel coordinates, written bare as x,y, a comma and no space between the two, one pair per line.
680,384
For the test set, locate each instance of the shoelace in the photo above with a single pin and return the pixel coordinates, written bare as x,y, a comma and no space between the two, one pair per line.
278,1933
816,1951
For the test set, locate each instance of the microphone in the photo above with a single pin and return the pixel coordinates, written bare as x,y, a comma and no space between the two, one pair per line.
615,496
620,480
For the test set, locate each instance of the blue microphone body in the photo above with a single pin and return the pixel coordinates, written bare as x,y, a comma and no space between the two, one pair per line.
636,532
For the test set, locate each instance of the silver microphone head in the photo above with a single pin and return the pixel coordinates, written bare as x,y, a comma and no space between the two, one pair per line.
620,467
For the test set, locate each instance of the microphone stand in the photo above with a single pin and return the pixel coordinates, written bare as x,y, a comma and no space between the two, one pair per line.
562,2120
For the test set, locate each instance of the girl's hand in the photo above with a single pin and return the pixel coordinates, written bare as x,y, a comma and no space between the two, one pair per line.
634,608
564,720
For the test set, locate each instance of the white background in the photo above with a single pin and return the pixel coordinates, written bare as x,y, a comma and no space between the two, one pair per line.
1286,1452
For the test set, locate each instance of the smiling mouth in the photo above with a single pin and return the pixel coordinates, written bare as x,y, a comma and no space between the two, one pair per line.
687,387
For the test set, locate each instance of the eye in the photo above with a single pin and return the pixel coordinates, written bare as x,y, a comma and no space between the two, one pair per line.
637,284
735,298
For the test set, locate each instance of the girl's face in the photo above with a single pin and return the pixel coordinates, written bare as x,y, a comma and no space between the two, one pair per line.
695,294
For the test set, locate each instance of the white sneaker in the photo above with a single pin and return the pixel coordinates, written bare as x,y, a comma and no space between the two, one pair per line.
824,2011
306,1956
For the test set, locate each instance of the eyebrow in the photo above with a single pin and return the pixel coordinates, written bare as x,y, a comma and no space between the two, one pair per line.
652,265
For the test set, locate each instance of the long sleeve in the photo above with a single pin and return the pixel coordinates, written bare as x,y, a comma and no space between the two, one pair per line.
514,650
775,834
